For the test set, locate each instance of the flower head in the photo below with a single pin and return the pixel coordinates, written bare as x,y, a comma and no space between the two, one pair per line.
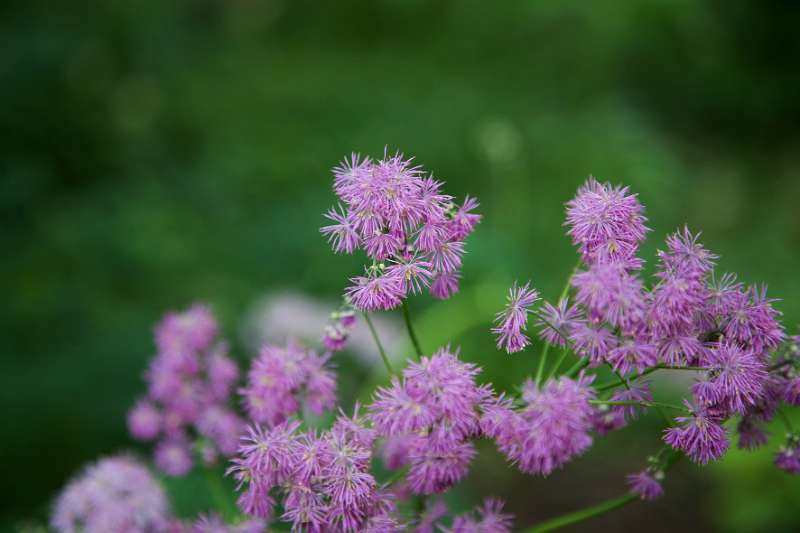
512,321
701,437
646,484
115,494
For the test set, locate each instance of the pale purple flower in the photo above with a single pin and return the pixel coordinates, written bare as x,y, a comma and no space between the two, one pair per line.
679,349
144,421
593,341
754,321
646,484
222,374
223,426
607,418
372,293
444,285
342,234
436,466
173,456
115,494
686,254
791,391
606,223
413,274
552,428
512,321
788,456
395,450
610,294
701,437
447,256
736,378
632,354
191,330
723,295
557,321
464,221
490,519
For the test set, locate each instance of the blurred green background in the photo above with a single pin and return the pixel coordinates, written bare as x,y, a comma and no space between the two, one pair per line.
158,153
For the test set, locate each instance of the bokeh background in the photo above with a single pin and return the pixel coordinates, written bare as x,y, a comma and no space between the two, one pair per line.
153,154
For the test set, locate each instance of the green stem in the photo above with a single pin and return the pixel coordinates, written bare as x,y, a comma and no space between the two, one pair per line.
410,329
558,363
543,358
583,514
643,403
619,382
221,502
579,365
786,421
377,340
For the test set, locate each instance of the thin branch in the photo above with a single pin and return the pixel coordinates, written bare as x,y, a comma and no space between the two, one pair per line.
377,340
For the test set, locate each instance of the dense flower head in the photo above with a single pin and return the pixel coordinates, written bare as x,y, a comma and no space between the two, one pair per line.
593,341
701,436
435,409
753,321
611,294
736,378
512,321
403,221
646,484
632,354
323,478
282,379
115,494
190,380
557,321
551,428
606,223
490,519
685,254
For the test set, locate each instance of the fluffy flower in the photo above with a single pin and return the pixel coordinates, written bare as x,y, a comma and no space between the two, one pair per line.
173,456
751,433
490,519
788,456
552,428
754,321
632,354
512,321
437,465
610,294
144,421
645,484
557,321
701,437
593,341
736,378
115,494
372,293
606,223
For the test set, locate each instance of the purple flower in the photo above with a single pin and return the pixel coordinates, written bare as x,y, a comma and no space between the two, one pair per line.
436,466
723,295
791,391
645,484
679,349
632,354
222,374
607,418
556,321
282,379
464,221
223,427
444,285
593,341
412,274
751,433
375,292
192,330
606,223
395,450
736,379
610,294
491,519
788,457
686,254
144,421
432,515
338,331
513,320
342,234
174,457
701,437
115,494
754,322
552,428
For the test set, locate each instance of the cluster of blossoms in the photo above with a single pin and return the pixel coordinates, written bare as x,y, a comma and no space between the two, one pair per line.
190,381
115,494
119,494
399,216
688,318
429,419
284,379
424,423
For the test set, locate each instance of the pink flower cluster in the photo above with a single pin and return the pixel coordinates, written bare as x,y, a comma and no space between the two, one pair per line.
189,387
324,479
284,379
399,216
